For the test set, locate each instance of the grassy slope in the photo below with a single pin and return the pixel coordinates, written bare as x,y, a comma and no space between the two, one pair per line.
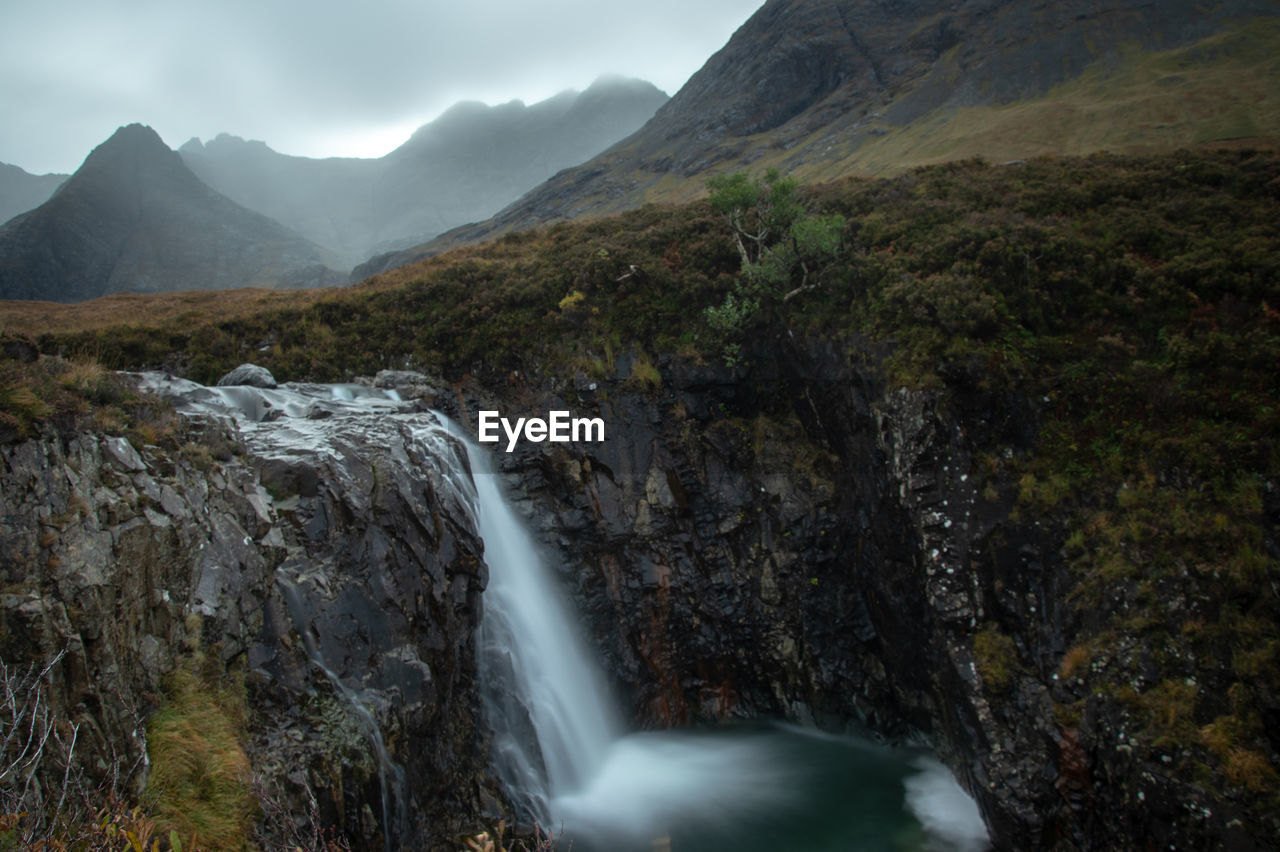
1137,297
1226,87
1222,88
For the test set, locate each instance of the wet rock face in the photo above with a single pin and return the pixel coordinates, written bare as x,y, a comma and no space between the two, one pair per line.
379,577
344,546
797,541
739,547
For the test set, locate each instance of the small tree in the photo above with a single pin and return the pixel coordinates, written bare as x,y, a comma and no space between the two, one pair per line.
784,249
759,210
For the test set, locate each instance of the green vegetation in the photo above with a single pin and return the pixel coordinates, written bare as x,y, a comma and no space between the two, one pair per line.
200,779
784,250
997,658
62,811
1126,309
1221,89
64,393
1218,89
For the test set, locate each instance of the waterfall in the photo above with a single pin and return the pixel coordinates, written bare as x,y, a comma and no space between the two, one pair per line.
527,641
558,744
566,761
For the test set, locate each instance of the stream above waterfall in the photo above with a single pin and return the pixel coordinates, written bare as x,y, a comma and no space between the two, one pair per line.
560,746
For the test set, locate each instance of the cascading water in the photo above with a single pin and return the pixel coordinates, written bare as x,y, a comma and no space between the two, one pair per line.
526,641
560,752
559,747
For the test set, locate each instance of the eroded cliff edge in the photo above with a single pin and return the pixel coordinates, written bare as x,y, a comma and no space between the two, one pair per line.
344,551
800,540
795,539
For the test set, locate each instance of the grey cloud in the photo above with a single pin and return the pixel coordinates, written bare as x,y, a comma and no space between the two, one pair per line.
300,75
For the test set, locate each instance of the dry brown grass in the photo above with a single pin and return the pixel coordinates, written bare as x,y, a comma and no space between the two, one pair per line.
200,775
150,310
1249,769
1074,661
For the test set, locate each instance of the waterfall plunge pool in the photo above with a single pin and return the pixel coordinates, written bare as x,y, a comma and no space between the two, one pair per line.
757,786
564,757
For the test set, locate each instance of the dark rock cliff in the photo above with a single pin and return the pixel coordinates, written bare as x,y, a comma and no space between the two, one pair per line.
798,541
344,551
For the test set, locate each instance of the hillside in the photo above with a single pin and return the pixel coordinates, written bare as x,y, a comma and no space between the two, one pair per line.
1007,476
827,88
464,166
133,218
21,191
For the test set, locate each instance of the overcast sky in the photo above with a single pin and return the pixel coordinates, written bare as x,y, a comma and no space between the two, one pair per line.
318,77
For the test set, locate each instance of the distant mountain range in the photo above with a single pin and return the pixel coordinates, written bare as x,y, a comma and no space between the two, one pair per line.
827,88
21,191
817,88
134,218
464,166
139,217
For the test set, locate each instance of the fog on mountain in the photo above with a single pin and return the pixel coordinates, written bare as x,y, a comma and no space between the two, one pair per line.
464,166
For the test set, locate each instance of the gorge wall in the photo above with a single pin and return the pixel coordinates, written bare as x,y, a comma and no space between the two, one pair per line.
343,549
797,540
792,540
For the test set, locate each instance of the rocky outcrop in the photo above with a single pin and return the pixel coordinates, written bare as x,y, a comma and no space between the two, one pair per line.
791,540
338,577
797,540
248,374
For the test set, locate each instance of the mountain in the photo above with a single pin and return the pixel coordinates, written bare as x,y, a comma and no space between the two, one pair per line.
466,165
328,201
133,218
827,88
21,191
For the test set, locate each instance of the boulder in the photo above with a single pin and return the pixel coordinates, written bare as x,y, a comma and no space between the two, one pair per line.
248,374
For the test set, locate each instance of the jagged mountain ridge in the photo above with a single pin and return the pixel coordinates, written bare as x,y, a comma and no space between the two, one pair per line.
463,166
21,191
827,88
133,218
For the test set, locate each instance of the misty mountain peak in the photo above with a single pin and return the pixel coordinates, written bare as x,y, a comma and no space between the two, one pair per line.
620,83
130,139
465,165
134,218
133,154
228,145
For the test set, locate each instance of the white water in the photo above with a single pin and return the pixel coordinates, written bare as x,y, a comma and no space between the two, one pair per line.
746,788
559,747
526,635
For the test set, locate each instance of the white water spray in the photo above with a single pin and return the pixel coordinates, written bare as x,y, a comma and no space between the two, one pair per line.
526,640
563,757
